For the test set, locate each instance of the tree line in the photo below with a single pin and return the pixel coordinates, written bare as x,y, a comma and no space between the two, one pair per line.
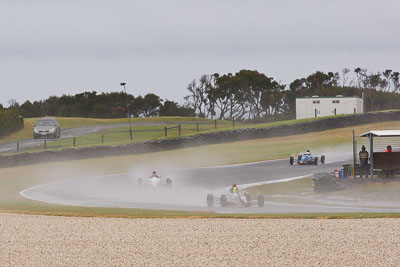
247,94
250,94
10,121
104,105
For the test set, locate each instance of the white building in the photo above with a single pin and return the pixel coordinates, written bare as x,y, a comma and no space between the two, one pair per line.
316,106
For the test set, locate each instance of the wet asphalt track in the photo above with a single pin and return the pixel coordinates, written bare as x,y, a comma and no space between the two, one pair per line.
190,187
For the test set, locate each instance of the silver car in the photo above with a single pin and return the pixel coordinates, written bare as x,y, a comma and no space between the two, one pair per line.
46,127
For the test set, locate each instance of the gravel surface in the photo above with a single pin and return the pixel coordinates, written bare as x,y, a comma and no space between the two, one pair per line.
47,240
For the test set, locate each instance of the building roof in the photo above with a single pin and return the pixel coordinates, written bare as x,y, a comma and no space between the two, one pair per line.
313,97
382,133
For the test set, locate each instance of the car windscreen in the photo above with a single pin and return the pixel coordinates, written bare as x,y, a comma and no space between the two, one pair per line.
45,123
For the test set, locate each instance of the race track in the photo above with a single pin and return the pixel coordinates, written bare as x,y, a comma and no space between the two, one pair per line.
189,190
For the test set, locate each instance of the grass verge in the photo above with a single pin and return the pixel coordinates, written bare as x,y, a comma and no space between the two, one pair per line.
14,180
72,122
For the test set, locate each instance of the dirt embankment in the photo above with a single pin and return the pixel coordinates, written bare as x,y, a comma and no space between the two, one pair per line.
197,140
71,241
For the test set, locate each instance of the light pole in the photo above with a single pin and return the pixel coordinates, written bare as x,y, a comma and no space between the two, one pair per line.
129,114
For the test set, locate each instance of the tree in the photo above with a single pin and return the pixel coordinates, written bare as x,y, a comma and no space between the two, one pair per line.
27,110
345,71
387,74
12,103
171,108
194,99
151,105
395,80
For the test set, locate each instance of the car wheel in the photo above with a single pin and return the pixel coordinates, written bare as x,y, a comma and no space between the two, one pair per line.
223,201
298,157
316,160
291,160
210,200
260,201
169,182
323,159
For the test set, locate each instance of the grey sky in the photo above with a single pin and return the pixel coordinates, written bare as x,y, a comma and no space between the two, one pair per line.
67,47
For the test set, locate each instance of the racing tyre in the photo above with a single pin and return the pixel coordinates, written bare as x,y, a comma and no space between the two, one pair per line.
298,157
260,201
139,182
291,160
210,200
169,182
223,201
323,159
316,160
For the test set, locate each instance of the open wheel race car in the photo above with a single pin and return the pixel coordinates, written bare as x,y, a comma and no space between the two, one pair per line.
306,159
154,181
241,199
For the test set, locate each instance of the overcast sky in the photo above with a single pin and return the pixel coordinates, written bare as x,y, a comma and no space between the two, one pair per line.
67,47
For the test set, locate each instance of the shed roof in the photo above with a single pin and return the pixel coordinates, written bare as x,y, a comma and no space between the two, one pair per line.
382,133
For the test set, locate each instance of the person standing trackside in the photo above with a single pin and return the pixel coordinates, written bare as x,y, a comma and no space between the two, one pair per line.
389,172
363,162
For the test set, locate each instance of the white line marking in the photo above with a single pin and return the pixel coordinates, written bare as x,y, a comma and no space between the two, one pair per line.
22,193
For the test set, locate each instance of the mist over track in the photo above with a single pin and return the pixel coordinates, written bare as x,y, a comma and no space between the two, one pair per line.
190,187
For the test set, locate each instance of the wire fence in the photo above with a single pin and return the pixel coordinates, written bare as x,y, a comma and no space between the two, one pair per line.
125,135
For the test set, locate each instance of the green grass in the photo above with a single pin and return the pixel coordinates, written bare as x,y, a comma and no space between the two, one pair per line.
120,135
71,122
379,191
14,180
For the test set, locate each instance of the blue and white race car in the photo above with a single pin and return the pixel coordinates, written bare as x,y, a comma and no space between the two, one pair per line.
306,158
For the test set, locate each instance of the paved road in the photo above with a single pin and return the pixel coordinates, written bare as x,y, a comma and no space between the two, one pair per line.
27,144
190,187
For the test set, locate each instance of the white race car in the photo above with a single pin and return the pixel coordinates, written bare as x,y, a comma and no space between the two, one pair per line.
240,198
154,181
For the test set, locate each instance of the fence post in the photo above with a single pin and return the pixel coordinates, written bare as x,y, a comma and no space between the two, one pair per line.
17,147
215,124
165,131
102,139
45,144
73,141
130,133
197,127
233,122
179,129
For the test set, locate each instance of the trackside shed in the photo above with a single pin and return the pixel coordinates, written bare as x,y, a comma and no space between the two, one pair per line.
379,158
316,106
